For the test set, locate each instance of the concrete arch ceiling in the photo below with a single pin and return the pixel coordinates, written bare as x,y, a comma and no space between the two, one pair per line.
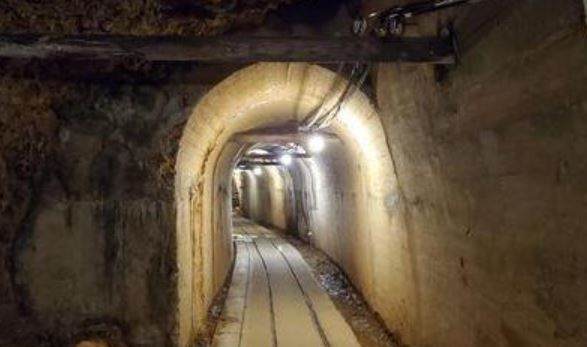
261,95
273,93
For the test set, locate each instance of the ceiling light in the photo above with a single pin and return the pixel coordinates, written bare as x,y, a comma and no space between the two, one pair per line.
316,144
258,151
286,159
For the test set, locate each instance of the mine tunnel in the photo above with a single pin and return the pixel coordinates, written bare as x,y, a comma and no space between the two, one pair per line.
250,173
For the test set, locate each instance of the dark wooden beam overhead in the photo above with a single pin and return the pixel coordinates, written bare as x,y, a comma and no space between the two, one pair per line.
226,49
274,156
246,163
268,159
282,135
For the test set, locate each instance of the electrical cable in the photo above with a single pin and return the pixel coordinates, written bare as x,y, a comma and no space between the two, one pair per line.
320,120
307,124
354,87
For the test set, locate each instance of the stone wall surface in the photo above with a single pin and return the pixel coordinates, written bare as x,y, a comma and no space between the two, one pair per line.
491,164
475,236
27,138
484,242
95,250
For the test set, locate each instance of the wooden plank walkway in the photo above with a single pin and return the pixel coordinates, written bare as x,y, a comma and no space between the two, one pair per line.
274,300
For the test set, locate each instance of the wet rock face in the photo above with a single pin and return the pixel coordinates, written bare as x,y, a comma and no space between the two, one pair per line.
94,238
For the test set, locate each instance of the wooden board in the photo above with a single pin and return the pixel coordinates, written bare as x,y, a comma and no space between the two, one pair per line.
226,49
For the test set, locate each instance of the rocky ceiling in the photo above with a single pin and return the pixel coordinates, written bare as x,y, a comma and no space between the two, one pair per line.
183,17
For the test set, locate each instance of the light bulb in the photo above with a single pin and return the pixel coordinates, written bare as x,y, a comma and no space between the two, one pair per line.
316,144
286,159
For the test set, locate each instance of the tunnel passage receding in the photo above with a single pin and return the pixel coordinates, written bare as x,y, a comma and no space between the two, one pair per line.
262,96
302,182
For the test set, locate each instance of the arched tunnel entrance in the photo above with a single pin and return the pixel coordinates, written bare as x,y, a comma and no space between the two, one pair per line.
340,198
455,207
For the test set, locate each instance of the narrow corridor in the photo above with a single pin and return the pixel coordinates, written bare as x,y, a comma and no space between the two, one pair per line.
273,299
420,167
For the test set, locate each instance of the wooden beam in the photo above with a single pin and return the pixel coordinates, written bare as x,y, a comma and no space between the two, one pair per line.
278,135
277,138
270,157
246,163
226,49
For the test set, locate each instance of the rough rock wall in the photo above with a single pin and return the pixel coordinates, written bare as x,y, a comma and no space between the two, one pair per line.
27,140
491,163
484,242
88,214
181,17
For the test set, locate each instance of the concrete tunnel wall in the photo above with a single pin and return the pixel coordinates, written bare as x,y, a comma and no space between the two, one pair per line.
482,242
260,96
96,249
264,198
491,165
316,199
327,206
485,244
